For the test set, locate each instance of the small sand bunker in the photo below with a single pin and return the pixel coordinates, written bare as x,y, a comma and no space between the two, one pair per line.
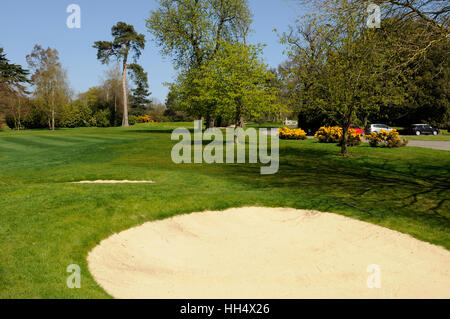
113,182
267,253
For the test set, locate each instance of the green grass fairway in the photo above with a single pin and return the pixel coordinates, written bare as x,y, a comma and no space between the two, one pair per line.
47,224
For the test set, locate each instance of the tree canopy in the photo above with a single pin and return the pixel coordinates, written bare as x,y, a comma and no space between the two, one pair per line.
140,93
49,80
191,30
232,86
12,76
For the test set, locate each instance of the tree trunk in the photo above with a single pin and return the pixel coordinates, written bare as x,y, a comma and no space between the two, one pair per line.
236,130
52,125
125,97
19,122
16,126
242,122
366,119
344,151
300,121
210,122
218,122
238,122
53,119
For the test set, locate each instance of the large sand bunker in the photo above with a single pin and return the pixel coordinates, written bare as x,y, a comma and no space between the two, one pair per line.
267,253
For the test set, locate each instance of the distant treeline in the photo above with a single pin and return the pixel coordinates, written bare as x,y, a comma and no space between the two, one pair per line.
340,70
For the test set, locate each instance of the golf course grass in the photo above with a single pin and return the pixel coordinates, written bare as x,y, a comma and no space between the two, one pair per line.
48,223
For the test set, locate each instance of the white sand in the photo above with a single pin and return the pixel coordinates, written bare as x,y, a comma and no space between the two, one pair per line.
267,253
113,182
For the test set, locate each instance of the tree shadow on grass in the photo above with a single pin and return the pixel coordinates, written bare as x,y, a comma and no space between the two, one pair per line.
369,186
155,131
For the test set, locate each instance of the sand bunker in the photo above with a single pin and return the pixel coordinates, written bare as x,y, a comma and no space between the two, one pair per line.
113,182
267,253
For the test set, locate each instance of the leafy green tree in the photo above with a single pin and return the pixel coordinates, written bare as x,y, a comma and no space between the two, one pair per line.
93,98
433,15
236,82
126,41
191,31
341,68
407,60
13,79
107,95
49,80
352,70
112,91
173,109
306,49
427,84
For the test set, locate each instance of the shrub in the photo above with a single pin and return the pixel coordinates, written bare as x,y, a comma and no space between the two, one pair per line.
387,139
157,114
35,117
10,122
101,118
334,134
144,119
132,119
74,114
329,134
292,134
353,138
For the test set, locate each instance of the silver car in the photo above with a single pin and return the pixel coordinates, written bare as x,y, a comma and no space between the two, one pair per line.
378,127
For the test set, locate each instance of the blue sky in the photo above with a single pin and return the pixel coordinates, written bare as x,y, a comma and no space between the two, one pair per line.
24,23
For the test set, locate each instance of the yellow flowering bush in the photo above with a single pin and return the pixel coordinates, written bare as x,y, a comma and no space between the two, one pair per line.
144,119
329,134
388,139
334,134
353,138
291,134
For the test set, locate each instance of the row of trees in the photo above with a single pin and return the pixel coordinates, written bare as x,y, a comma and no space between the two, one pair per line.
339,71
52,104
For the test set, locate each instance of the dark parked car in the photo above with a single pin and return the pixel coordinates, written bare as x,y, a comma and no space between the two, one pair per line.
418,129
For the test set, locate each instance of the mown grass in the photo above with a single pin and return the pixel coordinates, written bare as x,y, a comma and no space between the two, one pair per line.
440,137
47,224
